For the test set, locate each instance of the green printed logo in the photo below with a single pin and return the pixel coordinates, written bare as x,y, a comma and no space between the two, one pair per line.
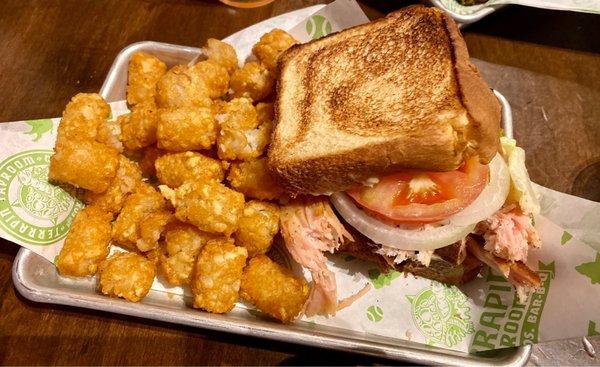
318,26
32,209
566,236
380,279
255,313
591,269
442,314
592,329
374,313
506,322
39,128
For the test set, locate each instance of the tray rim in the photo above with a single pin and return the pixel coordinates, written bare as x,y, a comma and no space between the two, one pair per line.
269,330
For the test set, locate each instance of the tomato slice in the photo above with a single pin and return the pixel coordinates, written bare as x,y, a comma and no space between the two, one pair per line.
423,196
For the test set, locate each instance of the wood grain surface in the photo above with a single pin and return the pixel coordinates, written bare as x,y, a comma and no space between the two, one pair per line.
546,63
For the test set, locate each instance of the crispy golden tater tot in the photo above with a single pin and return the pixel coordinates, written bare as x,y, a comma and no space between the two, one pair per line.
273,289
144,72
126,180
152,228
214,76
149,156
253,80
271,45
217,106
87,243
222,53
109,133
243,144
153,255
209,205
186,128
143,202
182,244
217,275
126,275
258,226
241,137
179,88
82,117
254,180
238,114
176,168
138,128
84,163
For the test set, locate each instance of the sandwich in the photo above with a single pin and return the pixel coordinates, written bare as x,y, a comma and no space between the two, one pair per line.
388,142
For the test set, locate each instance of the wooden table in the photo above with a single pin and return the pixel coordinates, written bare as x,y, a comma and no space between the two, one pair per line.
546,63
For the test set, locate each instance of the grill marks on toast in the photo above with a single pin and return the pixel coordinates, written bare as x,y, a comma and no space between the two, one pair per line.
384,80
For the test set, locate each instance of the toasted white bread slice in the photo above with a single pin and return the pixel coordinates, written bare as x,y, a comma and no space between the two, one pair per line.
396,93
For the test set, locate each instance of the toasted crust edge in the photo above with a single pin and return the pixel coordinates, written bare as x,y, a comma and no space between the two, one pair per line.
482,106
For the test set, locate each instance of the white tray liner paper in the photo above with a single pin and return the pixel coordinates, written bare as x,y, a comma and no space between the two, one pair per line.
584,6
479,316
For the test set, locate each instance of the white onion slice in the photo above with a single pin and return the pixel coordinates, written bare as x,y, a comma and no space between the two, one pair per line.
491,198
426,238
457,227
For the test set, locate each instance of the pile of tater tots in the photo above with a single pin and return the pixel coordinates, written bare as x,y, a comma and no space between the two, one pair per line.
181,182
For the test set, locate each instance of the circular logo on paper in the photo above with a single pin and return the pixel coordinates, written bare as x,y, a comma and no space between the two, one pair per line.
442,314
374,313
32,209
318,26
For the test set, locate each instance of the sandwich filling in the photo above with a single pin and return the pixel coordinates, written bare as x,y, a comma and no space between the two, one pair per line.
413,219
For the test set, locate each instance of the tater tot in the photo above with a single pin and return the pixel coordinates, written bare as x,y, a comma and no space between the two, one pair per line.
178,88
82,117
241,137
217,106
144,72
222,53
182,244
138,128
217,275
84,164
151,229
235,144
186,128
148,158
126,180
271,45
253,80
214,76
209,205
108,134
258,226
273,289
143,202
126,275
176,168
87,243
239,114
254,180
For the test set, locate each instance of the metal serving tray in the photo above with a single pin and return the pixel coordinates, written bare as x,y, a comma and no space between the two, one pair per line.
37,280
